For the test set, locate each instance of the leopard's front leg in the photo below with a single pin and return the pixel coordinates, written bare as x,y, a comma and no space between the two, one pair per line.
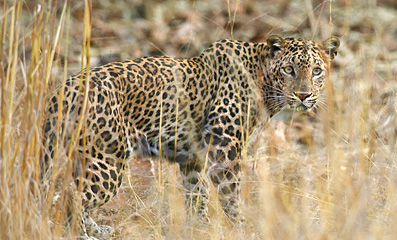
227,182
196,190
223,166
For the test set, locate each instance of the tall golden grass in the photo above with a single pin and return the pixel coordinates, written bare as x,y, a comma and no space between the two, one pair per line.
329,174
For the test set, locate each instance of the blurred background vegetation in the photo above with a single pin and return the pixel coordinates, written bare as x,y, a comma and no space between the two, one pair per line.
329,174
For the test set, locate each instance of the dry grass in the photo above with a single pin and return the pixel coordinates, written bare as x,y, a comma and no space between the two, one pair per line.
326,175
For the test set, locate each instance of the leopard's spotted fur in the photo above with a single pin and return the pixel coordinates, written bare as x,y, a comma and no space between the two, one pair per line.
196,107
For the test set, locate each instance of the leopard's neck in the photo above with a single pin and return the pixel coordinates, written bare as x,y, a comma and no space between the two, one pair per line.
240,61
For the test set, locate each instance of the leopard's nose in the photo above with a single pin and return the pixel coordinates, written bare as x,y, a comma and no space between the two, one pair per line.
302,95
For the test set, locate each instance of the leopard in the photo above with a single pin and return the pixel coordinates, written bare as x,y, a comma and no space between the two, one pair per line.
197,112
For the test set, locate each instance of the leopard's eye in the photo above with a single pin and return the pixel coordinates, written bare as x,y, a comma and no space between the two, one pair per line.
317,71
289,70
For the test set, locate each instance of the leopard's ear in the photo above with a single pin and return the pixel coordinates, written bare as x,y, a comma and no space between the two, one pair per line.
331,46
274,42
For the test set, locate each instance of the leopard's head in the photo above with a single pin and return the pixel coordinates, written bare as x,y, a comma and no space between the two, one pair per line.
295,71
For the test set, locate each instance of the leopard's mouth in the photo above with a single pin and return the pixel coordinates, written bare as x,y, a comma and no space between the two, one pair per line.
301,107
298,104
